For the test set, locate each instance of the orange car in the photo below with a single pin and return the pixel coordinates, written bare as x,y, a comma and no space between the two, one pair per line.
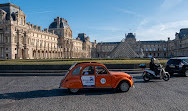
95,75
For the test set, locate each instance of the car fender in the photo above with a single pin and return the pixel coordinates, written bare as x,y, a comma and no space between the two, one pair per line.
123,79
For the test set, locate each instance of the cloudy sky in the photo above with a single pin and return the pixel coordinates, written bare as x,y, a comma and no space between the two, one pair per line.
110,20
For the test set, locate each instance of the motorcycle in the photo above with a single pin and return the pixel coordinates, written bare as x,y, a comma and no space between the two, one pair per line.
159,72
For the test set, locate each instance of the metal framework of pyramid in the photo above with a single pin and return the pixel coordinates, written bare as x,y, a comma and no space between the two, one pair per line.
123,50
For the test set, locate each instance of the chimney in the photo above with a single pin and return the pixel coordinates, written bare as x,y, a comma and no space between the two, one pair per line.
58,18
32,25
28,23
168,38
58,22
39,27
46,30
35,26
61,19
55,20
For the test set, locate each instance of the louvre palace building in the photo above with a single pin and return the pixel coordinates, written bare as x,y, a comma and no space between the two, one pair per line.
129,47
22,40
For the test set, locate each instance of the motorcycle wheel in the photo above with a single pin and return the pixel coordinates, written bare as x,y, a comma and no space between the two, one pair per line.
146,79
166,76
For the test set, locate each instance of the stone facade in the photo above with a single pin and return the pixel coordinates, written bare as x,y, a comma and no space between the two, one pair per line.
160,48
179,46
21,40
131,48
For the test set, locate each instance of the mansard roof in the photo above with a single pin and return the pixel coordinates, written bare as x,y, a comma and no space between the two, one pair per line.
108,43
9,4
152,42
59,23
10,9
130,35
183,33
82,37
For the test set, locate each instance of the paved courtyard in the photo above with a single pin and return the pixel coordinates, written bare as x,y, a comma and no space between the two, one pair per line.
36,93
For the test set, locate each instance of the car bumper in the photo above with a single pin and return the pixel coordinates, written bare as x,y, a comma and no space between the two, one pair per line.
132,83
133,86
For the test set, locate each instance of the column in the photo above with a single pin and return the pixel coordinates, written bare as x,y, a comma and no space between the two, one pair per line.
26,53
0,37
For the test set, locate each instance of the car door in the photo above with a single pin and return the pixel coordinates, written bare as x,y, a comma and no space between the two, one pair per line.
102,78
73,80
88,77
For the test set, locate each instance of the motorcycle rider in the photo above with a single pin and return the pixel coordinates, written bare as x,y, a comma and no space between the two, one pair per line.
153,66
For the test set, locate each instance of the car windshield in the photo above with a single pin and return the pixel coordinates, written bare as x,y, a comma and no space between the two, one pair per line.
72,66
185,61
70,69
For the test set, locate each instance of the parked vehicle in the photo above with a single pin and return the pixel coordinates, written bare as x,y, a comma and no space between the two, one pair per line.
177,65
157,73
95,75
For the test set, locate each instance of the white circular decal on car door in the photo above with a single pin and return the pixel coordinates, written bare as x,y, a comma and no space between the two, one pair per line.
103,81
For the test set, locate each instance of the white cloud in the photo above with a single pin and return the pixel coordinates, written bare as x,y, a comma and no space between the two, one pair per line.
162,24
129,12
161,31
168,4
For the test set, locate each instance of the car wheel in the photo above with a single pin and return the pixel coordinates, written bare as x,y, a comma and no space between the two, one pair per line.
124,86
146,78
186,73
73,91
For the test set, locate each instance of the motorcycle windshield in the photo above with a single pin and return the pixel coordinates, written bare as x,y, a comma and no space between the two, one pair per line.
157,61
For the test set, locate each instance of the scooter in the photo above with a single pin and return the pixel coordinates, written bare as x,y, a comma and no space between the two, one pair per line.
149,74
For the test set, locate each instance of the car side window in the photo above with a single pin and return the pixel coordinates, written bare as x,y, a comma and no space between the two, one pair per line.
88,70
76,71
100,70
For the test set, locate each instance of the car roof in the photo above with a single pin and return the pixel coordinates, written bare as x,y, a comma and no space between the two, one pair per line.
179,58
88,63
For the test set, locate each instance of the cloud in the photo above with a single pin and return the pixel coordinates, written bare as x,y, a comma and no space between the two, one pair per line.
129,12
168,4
161,31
